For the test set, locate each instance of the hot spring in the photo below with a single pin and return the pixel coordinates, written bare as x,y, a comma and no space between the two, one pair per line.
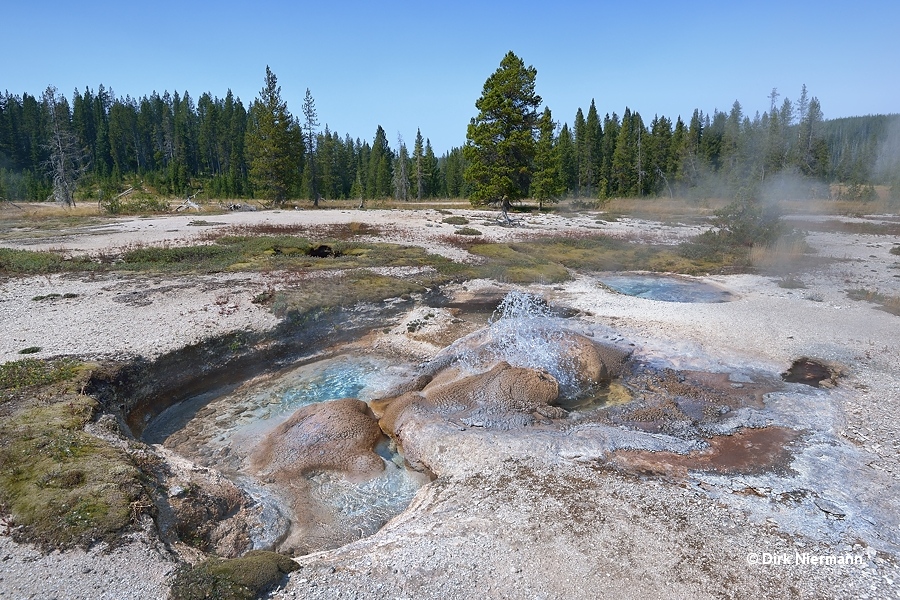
666,288
299,415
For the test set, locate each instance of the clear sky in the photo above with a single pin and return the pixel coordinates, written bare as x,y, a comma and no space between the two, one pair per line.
408,65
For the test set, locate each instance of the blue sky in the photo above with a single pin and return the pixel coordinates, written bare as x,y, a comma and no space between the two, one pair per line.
405,65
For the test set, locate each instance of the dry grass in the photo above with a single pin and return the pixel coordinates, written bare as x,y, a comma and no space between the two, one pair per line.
786,251
665,209
853,227
885,302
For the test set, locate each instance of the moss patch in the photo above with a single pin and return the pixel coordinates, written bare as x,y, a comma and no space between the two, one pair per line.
517,264
548,260
243,578
29,372
345,290
62,486
456,220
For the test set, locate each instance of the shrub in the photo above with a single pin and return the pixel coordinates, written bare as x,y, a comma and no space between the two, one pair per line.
736,229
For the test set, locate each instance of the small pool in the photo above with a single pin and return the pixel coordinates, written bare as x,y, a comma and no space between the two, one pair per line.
666,288
321,509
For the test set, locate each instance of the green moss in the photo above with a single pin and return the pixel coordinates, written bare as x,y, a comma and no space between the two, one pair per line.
467,231
549,260
457,220
30,372
26,262
62,486
352,288
243,578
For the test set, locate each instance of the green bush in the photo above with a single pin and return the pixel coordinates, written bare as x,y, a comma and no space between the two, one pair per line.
736,229
26,262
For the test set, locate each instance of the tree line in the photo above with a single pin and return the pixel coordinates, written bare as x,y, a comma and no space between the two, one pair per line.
515,151
89,148
176,146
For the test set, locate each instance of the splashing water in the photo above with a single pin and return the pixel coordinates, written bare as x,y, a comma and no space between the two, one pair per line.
524,333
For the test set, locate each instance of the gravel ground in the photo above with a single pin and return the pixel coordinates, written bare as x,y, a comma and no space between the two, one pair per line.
521,518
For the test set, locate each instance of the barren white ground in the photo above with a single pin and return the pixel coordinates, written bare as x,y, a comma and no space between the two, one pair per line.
513,517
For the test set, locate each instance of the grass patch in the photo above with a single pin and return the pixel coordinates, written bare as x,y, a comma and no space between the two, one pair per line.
27,262
456,220
895,250
345,290
30,372
787,252
243,578
548,260
30,350
852,227
61,486
885,302
337,231
54,296
663,209
467,231
204,223
513,263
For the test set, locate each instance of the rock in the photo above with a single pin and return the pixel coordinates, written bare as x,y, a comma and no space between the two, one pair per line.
504,388
486,399
339,435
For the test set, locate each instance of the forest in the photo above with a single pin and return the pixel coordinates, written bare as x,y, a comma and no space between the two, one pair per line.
169,145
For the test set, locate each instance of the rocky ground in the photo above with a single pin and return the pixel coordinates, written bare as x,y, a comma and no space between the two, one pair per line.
569,511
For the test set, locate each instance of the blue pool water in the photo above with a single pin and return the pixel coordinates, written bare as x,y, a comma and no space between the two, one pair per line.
666,288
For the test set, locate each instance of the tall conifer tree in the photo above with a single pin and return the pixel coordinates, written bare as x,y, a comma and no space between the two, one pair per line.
500,142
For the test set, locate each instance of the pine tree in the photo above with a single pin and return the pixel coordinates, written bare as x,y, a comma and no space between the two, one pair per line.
500,141
310,131
568,167
432,172
380,171
608,186
546,183
419,163
590,161
580,130
272,143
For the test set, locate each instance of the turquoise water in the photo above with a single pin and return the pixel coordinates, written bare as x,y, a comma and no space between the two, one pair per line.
666,288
